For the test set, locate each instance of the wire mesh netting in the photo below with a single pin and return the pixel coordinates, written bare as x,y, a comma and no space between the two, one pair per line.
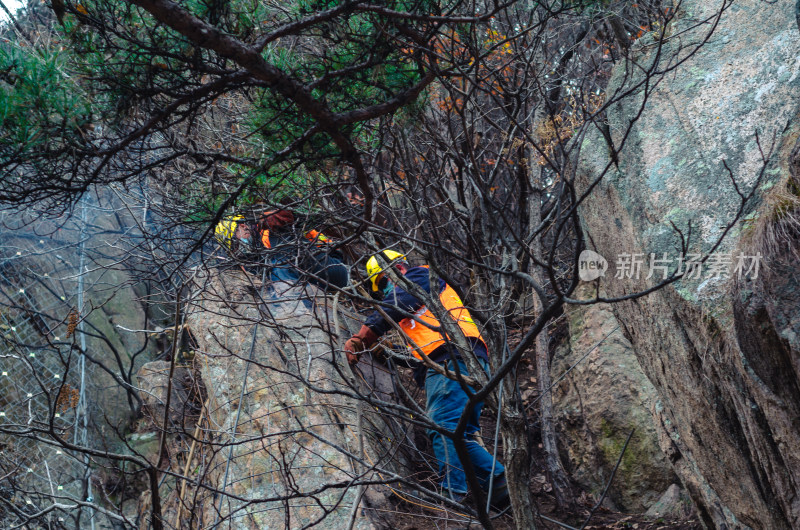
41,383
58,291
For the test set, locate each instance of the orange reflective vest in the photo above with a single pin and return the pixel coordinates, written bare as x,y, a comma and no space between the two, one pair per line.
428,339
311,235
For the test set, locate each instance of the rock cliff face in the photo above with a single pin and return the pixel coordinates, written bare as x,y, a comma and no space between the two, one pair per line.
290,439
721,354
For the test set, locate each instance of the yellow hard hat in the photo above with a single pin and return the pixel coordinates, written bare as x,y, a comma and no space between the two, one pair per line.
374,269
226,228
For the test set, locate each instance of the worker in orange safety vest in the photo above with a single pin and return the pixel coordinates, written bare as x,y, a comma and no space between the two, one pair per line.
445,398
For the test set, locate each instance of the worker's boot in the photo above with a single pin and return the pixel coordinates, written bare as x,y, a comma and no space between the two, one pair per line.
500,499
454,496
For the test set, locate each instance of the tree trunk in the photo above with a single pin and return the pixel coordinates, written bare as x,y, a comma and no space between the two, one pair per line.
555,471
516,456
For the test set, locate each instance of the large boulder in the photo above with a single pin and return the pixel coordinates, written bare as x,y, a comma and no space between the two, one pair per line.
721,354
285,440
604,396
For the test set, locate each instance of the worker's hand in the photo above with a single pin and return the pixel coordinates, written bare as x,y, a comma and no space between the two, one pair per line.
353,348
352,358
359,342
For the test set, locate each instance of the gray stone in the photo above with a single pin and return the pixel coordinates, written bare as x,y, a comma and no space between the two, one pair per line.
673,504
153,380
144,444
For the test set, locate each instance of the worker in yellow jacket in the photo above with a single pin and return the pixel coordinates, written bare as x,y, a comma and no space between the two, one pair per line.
291,256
